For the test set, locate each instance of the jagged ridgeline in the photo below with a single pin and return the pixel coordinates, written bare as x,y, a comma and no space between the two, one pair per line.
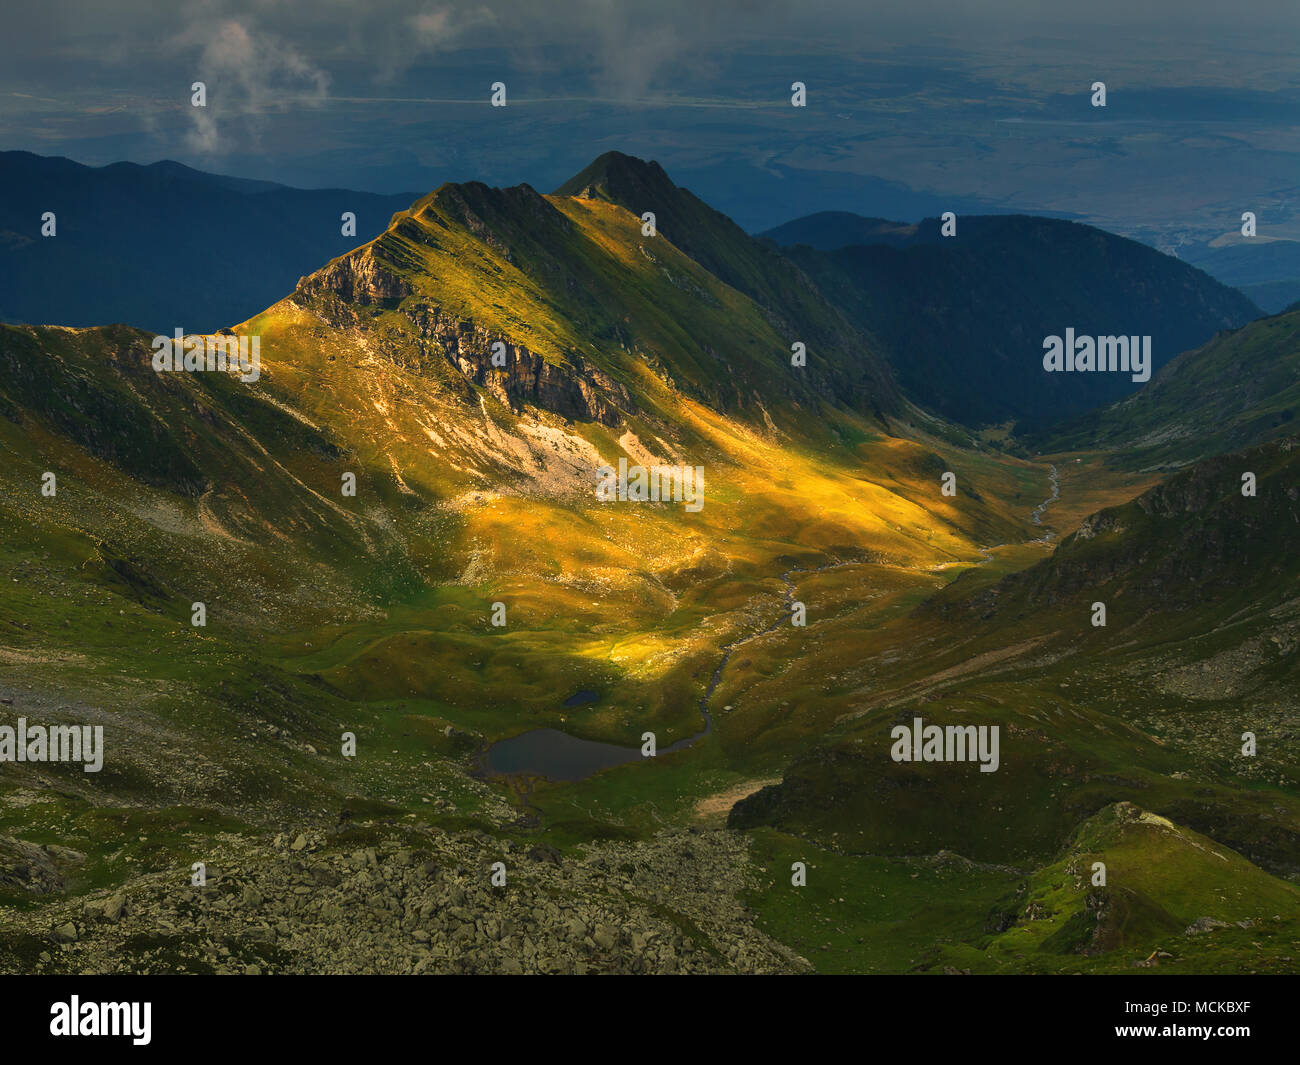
468,373
598,320
474,484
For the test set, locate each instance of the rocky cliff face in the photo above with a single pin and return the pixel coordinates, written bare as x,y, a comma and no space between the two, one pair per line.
578,390
1188,538
356,278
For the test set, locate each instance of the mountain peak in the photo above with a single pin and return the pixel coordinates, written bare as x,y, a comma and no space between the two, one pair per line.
617,178
480,196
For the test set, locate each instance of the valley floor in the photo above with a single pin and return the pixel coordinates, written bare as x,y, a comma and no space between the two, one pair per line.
631,870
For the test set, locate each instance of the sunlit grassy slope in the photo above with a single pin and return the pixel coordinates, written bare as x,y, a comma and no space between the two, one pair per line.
182,488
1198,648
1163,895
475,485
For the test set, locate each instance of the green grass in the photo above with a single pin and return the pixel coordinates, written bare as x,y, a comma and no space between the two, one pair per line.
370,614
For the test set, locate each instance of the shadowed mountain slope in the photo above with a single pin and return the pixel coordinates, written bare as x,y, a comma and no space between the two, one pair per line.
790,302
162,246
962,319
1240,389
1202,620
470,372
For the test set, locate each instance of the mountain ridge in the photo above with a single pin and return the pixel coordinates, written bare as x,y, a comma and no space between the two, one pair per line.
1236,391
396,536
962,319
114,254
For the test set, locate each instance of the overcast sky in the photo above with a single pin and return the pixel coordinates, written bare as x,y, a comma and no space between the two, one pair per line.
262,51
365,93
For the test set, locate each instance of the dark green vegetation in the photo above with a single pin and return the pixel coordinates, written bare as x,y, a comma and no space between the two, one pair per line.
831,230
962,319
1238,390
371,614
1199,647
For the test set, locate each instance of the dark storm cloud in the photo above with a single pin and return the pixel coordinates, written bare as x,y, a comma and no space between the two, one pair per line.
256,55
76,70
626,45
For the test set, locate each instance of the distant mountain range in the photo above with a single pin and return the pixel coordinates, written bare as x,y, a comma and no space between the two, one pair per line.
395,534
162,246
962,319
959,321
1268,271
